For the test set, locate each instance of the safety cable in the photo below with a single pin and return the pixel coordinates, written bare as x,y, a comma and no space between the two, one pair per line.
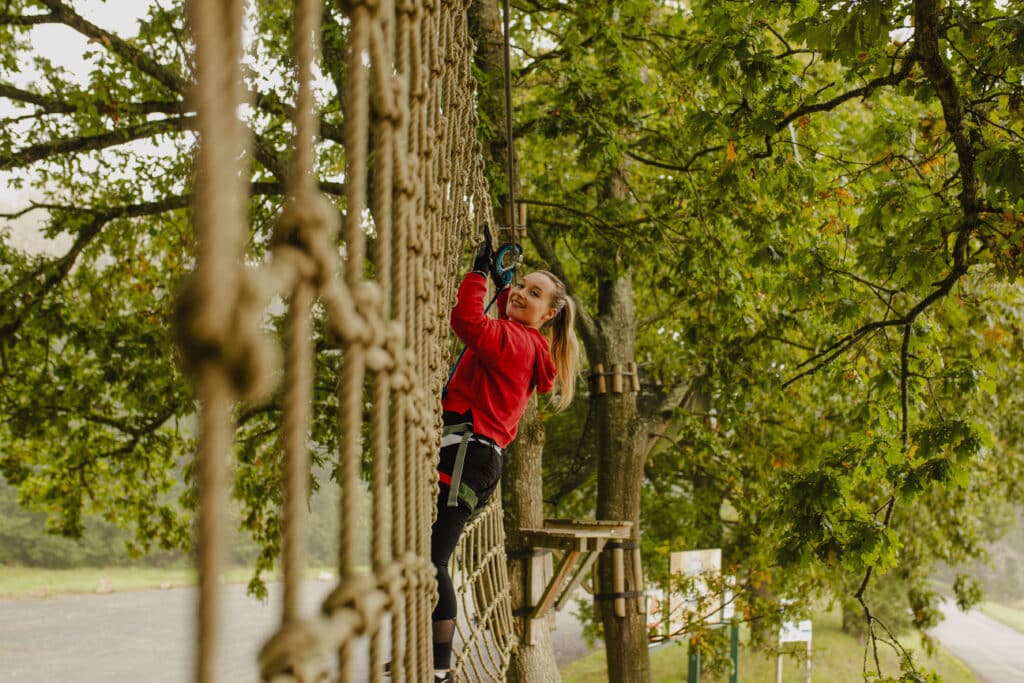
510,212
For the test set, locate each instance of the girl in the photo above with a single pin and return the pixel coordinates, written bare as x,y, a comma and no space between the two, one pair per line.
505,361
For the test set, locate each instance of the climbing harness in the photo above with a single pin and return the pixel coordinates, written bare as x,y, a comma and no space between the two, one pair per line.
461,434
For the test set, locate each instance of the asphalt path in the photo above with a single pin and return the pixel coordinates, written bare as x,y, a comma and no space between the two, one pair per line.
992,650
148,636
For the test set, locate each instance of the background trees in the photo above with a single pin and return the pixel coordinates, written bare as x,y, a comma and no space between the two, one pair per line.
802,220
833,233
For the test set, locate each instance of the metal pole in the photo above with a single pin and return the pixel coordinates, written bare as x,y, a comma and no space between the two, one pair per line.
693,663
734,652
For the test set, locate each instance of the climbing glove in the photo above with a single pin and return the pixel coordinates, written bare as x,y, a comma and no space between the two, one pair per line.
484,263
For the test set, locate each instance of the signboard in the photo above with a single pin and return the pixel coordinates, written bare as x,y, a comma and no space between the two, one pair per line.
695,564
795,632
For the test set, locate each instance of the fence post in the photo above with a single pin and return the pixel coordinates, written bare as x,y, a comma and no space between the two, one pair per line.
734,652
693,663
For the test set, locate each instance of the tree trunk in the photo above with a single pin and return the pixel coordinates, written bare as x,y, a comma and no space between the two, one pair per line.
622,449
524,507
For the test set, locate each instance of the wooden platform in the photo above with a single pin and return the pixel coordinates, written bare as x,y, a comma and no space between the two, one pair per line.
580,541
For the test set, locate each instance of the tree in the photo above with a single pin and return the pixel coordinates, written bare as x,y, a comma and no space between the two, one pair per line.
715,121
804,217
90,390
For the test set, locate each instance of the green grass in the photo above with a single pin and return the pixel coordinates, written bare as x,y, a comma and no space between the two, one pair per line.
25,582
837,658
1012,615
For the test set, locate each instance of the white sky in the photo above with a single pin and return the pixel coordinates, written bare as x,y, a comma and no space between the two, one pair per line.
64,47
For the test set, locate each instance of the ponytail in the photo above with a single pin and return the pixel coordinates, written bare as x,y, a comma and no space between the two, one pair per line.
565,349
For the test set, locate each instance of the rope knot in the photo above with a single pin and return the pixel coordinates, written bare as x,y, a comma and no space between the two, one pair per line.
404,358
360,594
368,297
309,223
350,6
297,652
224,328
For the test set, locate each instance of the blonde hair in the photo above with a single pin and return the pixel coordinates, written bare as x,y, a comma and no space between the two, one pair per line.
565,348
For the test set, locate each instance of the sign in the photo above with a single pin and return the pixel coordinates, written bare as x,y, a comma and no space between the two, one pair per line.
795,632
695,564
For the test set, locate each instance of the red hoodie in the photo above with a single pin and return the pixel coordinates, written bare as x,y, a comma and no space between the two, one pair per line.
504,362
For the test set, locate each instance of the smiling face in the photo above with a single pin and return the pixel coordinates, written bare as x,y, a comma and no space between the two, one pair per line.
529,300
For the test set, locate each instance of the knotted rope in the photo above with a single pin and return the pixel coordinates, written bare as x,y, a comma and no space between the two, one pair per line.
408,107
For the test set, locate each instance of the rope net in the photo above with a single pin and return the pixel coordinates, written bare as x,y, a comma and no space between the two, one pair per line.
414,194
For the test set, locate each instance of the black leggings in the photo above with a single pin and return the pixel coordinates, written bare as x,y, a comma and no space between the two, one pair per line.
481,472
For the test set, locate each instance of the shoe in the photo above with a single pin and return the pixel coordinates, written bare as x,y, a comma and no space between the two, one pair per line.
447,678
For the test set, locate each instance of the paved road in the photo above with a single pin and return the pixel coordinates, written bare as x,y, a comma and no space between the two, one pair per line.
147,636
993,651
144,636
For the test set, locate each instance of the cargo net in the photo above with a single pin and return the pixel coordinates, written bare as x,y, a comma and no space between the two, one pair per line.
414,193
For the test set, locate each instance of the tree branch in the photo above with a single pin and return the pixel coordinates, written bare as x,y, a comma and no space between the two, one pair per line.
29,155
28,19
685,168
675,397
126,51
893,78
52,105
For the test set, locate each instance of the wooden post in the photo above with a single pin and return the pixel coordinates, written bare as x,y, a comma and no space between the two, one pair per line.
619,580
616,379
734,652
634,376
638,578
601,387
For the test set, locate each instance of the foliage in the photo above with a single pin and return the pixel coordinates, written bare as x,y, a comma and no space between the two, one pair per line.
829,193
818,207
837,657
97,419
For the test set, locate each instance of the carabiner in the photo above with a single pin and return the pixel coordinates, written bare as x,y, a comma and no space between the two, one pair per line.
507,272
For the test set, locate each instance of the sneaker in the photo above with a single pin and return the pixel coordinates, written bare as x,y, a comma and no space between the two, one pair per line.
447,678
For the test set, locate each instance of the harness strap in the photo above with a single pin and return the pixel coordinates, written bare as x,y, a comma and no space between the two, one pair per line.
455,483
467,494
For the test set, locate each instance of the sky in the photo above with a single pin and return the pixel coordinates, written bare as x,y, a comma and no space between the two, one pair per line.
65,48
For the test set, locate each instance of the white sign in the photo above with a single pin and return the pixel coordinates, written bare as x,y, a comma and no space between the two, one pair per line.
696,564
795,632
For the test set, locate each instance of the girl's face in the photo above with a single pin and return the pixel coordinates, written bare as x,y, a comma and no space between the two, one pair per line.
529,300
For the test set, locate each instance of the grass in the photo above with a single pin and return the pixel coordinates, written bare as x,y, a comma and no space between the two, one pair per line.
28,582
1012,615
837,658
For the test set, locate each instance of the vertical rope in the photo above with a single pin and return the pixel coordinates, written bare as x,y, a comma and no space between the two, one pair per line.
383,172
299,366
510,209
214,445
298,395
308,16
350,401
220,227
350,387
